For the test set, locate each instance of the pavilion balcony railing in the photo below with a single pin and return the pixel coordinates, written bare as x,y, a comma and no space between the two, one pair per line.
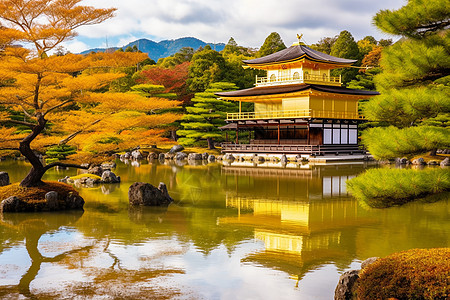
306,78
291,114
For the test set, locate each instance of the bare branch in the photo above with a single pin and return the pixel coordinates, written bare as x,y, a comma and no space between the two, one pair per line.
31,125
57,106
71,136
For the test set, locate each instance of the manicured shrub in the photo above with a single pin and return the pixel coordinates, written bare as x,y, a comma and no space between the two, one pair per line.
408,275
389,187
59,152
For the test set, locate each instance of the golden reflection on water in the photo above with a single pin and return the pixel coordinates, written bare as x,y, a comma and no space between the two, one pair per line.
233,232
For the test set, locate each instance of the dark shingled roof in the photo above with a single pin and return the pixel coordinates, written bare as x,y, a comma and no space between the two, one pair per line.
282,89
295,52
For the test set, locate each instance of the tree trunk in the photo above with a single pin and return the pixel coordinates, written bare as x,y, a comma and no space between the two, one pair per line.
210,143
34,177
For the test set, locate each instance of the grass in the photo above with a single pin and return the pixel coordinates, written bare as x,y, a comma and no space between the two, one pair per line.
35,194
389,187
412,274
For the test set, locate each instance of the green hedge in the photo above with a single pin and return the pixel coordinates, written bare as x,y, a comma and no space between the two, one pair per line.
413,274
389,187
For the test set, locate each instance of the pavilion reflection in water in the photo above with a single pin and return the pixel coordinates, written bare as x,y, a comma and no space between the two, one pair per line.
311,222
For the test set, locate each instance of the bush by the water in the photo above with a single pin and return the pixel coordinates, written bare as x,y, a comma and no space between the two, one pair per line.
389,187
413,274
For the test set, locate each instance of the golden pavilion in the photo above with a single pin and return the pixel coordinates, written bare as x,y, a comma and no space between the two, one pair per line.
298,107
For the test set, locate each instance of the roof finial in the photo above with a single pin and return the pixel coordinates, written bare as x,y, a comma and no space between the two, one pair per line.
299,37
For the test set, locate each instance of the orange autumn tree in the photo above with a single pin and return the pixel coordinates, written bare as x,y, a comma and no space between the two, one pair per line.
60,98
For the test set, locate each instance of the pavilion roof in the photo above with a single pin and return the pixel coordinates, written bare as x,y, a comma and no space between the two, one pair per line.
283,89
296,52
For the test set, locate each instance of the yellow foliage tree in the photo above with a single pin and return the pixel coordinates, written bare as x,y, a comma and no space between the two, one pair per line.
62,98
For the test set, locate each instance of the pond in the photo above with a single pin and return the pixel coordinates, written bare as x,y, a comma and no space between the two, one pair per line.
233,232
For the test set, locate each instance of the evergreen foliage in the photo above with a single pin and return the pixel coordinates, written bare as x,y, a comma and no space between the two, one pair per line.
388,187
204,118
414,84
207,66
59,152
346,47
273,43
324,45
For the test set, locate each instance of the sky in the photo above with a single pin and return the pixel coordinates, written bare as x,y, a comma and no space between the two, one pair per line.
249,22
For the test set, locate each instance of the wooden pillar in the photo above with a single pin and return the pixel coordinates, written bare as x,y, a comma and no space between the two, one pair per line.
226,137
278,133
237,133
240,107
308,135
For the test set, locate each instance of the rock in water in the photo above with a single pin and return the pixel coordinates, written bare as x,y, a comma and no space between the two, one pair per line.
52,200
10,204
176,148
346,285
141,193
4,179
136,154
110,177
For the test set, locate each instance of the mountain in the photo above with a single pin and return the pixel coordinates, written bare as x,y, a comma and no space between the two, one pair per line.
164,48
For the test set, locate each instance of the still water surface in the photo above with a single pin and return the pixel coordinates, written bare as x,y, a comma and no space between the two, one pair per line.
232,233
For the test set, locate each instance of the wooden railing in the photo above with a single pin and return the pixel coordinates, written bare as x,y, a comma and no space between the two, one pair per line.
306,78
288,114
269,148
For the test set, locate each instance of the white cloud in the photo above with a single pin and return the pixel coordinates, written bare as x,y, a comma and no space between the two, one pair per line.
248,21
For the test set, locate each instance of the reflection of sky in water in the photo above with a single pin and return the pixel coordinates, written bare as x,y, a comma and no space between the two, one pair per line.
13,263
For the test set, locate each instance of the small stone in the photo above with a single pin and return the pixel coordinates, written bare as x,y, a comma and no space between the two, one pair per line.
4,179
176,148
96,170
205,156
195,156
284,159
368,262
110,177
346,286
141,193
108,165
229,157
181,156
10,204
52,200
418,161
136,154
161,156
152,156
211,158
169,155
445,162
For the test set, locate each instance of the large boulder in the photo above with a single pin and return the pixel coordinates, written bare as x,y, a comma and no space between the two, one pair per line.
4,179
401,161
368,262
110,177
141,193
176,148
346,287
229,157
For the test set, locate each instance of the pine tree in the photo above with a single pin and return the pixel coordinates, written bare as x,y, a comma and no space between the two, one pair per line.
414,84
346,47
204,118
273,43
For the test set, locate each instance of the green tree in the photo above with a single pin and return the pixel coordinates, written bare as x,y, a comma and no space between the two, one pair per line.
414,84
204,118
346,47
183,55
207,66
325,44
272,44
